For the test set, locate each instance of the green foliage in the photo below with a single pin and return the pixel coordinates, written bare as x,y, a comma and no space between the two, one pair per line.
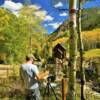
90,18
16,33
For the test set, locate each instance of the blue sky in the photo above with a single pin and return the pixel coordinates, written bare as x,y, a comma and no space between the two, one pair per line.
54,16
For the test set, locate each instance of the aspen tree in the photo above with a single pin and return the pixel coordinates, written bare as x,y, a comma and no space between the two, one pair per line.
72,50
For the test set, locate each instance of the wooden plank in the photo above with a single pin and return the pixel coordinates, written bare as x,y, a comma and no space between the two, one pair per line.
5,70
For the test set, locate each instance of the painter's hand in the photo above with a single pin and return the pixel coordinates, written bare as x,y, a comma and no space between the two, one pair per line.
46,74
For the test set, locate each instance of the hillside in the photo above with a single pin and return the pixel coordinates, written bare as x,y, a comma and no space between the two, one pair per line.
90,29
90,18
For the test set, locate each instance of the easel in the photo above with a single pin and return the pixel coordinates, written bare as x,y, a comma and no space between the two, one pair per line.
47,90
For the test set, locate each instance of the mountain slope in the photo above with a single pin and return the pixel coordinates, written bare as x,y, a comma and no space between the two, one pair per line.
91,19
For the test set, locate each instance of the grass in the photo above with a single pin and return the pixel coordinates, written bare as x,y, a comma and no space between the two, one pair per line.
89,93
9,90
92,53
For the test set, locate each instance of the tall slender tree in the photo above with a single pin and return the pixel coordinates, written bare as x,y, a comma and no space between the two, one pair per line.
33,26
81,50
72,50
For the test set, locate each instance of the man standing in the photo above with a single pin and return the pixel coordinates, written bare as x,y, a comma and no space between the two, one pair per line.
30,75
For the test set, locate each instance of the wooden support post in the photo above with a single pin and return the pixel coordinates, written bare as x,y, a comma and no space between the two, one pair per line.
64,88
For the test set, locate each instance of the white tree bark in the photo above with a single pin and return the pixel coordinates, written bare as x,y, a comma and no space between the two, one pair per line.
72,50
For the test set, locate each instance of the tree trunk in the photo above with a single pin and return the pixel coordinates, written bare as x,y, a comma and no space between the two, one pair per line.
72,50
30,39
81,52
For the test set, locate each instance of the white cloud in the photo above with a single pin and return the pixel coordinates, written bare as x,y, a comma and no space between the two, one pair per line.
12,6
15,8
48,18
20,5
37,7
54,25
59,4
63,14
41,14
45,25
